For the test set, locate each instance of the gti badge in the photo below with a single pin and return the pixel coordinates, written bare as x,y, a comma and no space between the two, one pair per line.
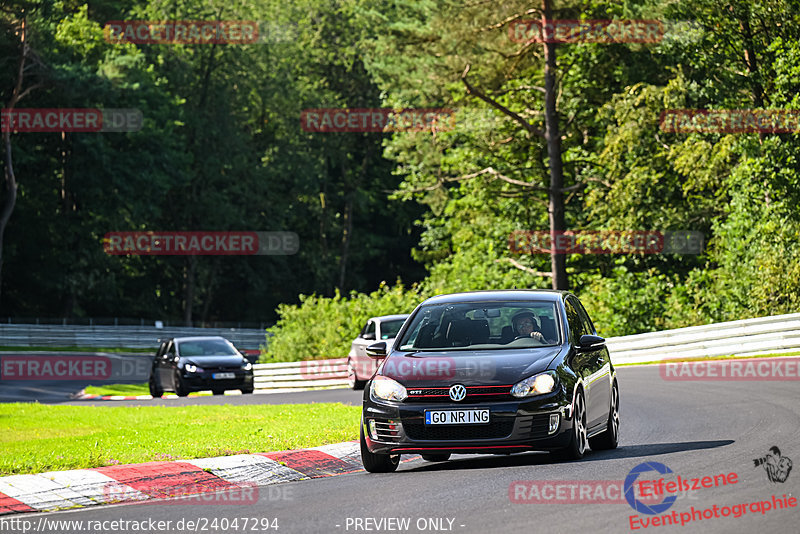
458,392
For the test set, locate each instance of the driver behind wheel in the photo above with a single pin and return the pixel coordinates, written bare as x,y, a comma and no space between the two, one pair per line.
526,324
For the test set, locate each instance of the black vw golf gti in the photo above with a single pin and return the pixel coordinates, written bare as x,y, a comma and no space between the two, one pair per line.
186,364
491,372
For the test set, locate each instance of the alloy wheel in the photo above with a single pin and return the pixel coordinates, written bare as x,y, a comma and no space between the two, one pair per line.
580,424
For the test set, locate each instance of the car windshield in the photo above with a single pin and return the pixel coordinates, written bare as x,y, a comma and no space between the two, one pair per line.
482,325
389,329
206,347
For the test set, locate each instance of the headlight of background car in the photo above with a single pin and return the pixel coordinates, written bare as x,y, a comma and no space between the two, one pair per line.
534,385
192,368
387,389
247,366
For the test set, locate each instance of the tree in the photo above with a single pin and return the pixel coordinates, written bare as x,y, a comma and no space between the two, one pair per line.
16,17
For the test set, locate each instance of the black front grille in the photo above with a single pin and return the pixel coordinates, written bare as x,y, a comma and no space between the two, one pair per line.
459,432
475,394
210,370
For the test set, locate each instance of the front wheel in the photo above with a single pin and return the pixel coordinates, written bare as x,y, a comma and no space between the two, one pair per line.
377,463
610,437
352,377
178,386
155,387
578,442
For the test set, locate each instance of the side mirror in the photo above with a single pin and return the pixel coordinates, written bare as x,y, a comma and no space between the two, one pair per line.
588,343
377,350
369,335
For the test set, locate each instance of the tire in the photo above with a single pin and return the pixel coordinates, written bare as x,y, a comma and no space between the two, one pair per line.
377,463
178,386
352,378
443,457
247,391
218,392
155,388
609,439
578,442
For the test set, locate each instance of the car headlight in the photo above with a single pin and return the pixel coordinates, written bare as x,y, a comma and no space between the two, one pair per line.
387,389
247,366
534,385
192,368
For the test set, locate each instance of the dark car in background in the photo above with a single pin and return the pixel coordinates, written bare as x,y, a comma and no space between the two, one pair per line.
491,372
361,367
186,364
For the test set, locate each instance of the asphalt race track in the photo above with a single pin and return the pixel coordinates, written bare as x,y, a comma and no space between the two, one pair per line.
696,428
123,368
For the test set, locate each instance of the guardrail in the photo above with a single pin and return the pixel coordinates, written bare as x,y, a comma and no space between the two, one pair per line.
745,337
304,374
134,337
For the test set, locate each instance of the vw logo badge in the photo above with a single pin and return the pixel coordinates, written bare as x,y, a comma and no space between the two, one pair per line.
458,392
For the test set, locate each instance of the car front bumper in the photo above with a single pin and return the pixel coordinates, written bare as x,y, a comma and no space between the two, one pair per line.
514,426
204,381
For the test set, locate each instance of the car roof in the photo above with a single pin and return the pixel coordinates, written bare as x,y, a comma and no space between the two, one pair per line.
195,338
550,295
383,318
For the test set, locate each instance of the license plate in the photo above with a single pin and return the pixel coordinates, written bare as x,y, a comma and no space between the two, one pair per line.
456,417
222,376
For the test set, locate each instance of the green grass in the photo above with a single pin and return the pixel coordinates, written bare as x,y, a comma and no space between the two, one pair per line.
706,358
35,438
144,389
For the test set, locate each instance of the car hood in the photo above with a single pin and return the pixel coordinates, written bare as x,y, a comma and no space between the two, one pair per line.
214,361
483,367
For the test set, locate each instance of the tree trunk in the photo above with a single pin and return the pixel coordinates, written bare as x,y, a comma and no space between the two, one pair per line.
553,139
10,199
189,289
17,94
347,232
751,60
209,293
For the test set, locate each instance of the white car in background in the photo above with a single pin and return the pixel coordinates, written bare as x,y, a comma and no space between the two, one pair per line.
361,367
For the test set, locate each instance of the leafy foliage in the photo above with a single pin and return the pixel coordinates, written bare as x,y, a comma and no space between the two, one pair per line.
222,148
320,327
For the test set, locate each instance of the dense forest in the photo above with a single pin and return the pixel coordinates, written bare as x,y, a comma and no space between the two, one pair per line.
546,135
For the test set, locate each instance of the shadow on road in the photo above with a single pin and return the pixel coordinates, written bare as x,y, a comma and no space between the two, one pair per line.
655,449
543,458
